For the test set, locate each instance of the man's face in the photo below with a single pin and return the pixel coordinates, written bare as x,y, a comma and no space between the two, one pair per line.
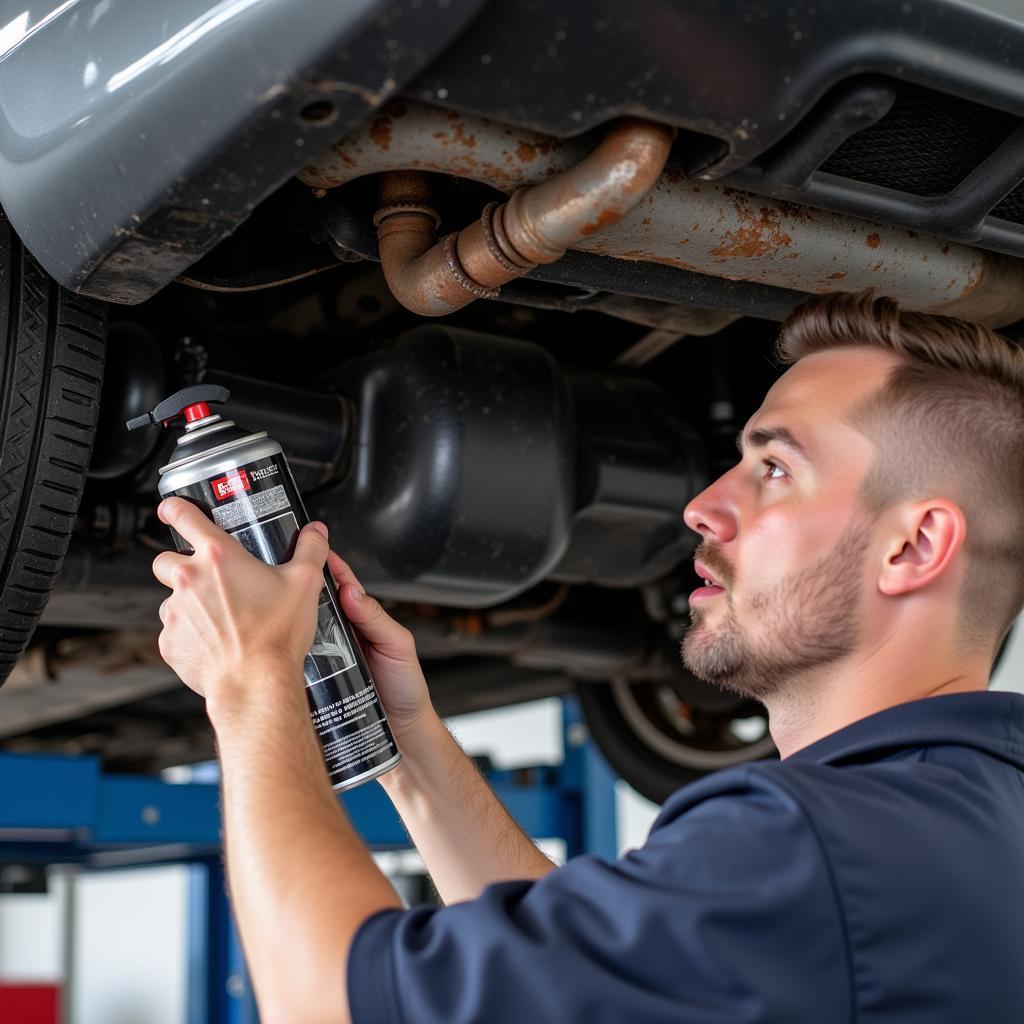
784,534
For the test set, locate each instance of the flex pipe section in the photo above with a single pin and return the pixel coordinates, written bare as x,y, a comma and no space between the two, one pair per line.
693,225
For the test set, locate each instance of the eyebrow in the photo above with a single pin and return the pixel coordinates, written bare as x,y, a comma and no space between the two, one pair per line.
764,435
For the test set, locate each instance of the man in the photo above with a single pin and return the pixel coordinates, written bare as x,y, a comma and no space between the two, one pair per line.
864,559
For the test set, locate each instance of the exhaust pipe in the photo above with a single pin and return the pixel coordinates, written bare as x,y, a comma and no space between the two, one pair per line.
681,222
535,226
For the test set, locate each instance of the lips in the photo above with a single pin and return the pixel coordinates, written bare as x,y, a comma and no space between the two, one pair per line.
707,575
712,587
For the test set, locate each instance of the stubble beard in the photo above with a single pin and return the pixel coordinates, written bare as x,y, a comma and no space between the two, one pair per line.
807,621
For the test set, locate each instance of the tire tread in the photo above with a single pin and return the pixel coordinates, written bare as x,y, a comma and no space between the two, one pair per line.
51,362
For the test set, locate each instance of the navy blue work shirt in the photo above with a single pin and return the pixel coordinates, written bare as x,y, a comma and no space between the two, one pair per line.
875,876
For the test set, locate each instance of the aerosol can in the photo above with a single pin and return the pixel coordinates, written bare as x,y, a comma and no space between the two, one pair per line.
242,482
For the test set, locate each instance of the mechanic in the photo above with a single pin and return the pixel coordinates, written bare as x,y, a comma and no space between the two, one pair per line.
866,557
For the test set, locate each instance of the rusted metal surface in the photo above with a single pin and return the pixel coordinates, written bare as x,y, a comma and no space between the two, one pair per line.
727,233
422,273
541,222
76,675
414,136
691,224
535,226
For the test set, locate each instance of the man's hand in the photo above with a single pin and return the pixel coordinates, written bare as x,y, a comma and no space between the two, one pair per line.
237,630
390,651
466,837
232,620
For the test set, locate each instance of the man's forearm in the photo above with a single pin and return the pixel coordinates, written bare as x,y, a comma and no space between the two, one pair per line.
301,880
466,837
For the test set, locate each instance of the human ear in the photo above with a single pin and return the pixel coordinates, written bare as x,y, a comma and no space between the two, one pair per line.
928,537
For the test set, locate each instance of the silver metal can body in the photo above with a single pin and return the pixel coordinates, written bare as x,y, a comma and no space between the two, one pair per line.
244,485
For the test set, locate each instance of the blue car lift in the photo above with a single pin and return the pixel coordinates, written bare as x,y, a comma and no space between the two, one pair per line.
66,810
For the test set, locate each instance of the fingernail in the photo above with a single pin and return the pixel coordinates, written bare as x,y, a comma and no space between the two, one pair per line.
161,510
320,528
358,593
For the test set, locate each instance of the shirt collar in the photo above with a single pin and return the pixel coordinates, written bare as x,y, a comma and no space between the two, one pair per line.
988,721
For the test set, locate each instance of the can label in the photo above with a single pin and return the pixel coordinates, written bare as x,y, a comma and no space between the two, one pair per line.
259,505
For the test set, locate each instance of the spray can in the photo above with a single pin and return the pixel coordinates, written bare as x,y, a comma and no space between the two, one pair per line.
242,482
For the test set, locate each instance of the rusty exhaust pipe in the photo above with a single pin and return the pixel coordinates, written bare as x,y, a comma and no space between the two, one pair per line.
695,225
536,225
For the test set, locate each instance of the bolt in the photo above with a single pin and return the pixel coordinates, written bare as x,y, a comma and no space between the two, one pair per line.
150,814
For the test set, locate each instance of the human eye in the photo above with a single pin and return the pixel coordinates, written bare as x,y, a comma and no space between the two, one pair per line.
773,471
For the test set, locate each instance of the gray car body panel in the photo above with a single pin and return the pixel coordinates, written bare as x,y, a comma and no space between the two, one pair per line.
135,134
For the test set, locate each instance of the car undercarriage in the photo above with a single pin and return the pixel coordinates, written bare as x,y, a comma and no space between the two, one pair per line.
504,282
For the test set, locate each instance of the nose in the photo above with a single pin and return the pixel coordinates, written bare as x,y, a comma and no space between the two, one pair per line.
712,513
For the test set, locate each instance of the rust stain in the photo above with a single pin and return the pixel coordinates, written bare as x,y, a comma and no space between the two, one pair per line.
526,152
974,279
653,257
791,211
380,131
604,218
499,176
758,234
878,266
836,276
461,136
944,250
646,221
874,240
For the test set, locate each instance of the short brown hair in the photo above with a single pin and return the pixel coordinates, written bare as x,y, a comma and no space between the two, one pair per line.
949,422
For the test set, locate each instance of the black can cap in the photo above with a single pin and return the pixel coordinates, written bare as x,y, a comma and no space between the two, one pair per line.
192,403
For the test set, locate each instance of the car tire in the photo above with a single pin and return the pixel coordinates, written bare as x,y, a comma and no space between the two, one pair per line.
51,372
641,730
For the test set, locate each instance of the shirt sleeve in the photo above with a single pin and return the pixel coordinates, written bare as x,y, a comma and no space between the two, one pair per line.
726,915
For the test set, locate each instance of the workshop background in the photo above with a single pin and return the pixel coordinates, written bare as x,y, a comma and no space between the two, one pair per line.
211,193
117,946
114,946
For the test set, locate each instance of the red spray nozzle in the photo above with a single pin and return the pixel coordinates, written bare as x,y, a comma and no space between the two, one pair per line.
192,403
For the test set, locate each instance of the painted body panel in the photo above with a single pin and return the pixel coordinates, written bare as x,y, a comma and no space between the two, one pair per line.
110,109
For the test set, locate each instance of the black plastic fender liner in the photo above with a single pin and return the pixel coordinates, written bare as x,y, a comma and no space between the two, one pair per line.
51,374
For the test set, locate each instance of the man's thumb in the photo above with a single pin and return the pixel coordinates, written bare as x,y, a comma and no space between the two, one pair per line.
312,546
